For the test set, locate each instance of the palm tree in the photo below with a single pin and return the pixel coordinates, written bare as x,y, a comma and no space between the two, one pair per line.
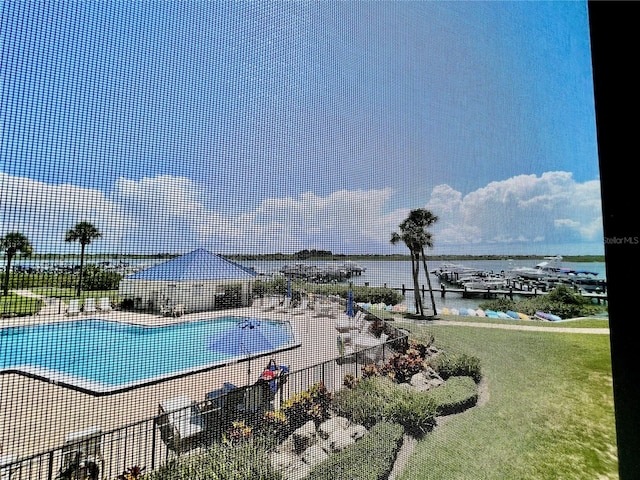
11,244
414,234
84,233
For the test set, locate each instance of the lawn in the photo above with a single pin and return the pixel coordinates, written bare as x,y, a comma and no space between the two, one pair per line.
549,412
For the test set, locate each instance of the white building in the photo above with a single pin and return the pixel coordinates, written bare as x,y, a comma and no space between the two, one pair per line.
198,280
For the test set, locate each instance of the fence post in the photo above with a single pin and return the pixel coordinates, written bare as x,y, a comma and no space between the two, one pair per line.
50,473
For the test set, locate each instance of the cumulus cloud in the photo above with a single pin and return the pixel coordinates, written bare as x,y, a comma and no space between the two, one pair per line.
169,214
527,209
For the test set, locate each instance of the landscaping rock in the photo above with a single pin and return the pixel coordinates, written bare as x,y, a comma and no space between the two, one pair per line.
314,455
339,440
304,437
327,427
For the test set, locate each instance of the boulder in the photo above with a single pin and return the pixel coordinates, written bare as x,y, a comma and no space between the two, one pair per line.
314,455
327,427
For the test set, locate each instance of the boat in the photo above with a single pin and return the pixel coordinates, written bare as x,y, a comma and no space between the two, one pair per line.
523,316
547,316
481,313
491,314
503,315
513,314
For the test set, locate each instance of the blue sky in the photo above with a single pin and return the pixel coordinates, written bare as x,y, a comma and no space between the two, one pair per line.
277,126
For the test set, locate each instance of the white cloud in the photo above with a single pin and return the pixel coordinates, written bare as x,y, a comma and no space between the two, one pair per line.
168,214
525,210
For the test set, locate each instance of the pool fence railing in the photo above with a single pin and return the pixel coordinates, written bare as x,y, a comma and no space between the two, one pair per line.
146,444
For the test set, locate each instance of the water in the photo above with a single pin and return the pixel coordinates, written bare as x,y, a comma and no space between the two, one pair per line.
107,355
396,273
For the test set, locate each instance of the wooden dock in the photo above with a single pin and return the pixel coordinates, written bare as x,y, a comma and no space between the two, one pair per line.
494,293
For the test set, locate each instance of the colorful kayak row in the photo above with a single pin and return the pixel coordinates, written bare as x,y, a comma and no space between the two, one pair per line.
508,315
470,312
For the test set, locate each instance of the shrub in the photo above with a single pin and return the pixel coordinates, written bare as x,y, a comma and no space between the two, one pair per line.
221,462
402,366
415,411
360,405
370,458
312,404
455,395
448,365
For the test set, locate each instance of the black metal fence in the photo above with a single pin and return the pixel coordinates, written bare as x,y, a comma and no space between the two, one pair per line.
152,442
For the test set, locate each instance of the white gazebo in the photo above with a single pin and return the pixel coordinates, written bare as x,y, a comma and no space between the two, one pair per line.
197,280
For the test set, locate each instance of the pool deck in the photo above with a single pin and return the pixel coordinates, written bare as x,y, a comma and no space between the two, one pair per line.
36,415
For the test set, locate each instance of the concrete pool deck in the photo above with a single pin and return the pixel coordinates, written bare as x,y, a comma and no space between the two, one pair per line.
36,415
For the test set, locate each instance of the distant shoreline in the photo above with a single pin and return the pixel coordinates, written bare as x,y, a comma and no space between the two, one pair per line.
297,258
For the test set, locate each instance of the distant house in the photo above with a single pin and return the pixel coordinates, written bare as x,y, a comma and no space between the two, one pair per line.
198,280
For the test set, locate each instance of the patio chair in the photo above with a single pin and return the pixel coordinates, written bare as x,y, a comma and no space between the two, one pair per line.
269,303
301,308
74,307
180,423
82,455
104,304
9,472
284,306
90,305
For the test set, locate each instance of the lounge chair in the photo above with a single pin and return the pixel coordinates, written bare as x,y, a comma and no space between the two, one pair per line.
301,308
90,305
74,307
269,303
344,324
82,455
255,399
180,423
104,304
9,472
284,306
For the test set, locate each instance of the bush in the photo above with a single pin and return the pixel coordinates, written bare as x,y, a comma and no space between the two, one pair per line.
456,395
415,411
96,278
402,366
370,458
449,365
361,406
221,462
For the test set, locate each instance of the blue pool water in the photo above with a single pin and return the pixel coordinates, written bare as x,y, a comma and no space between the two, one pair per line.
101,356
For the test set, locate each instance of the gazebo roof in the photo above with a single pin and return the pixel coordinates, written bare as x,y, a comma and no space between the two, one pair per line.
197,265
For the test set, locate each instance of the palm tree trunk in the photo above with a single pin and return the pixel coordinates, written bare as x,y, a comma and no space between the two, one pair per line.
433,302
415,267
6,275
79,287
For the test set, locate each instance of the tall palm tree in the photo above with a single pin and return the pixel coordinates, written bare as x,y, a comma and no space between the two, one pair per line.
84,233
11,244
414,234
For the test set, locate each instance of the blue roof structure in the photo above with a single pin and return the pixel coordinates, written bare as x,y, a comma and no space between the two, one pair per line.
197,265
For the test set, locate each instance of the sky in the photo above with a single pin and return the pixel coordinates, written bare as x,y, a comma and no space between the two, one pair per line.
264,127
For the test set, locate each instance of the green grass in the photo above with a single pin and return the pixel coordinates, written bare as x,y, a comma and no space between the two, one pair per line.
18,305
549,413
578,323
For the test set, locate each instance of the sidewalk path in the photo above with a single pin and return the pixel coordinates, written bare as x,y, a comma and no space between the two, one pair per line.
536,328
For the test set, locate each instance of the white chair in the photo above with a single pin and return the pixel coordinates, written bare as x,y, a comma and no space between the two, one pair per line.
82,455
90,305
104,304
270,303
284,306
6,472
180,423
74,307
301,308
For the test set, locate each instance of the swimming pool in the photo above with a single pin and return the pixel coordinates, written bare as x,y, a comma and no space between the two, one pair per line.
103,357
